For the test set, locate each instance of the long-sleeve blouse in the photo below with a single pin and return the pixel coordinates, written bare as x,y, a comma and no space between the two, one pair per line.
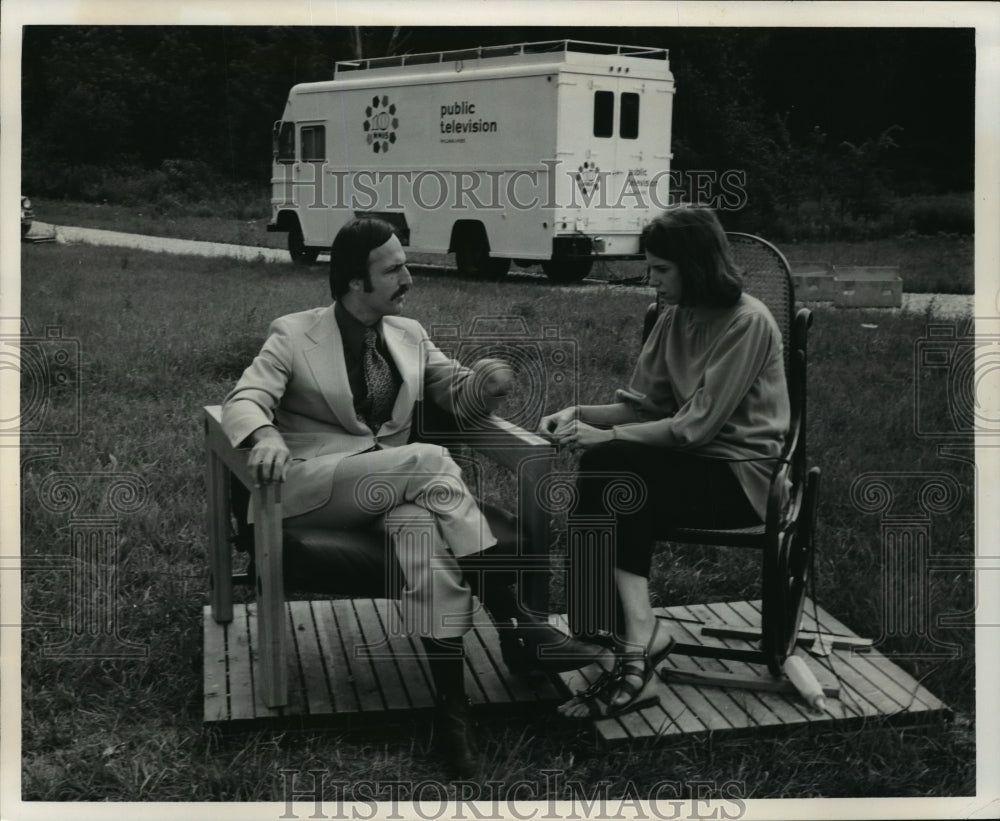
712,382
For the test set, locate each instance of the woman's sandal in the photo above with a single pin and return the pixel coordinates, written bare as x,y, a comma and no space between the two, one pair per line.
631,666
594,697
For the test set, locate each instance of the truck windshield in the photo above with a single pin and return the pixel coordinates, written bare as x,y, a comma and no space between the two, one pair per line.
284,142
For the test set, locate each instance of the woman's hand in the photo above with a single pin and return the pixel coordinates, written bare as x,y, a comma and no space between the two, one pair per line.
579,436
556,424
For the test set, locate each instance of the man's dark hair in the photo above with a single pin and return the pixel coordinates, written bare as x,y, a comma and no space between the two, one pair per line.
693,239
351,247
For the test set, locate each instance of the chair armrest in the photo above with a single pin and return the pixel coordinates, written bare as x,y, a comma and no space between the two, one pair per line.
504,442
217,443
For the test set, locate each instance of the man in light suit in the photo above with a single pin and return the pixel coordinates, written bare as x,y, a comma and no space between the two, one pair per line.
327,406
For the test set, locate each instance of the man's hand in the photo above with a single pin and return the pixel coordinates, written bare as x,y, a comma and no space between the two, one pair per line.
492,381
269,456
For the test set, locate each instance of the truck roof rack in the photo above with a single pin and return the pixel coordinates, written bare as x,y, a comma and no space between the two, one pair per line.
487,52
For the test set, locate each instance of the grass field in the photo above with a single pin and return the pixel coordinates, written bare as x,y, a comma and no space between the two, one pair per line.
940,264
161,336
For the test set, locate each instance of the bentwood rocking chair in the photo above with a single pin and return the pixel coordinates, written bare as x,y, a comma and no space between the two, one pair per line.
786,537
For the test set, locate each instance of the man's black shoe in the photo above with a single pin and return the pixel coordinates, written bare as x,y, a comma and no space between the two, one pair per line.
515,657
551,651
455,737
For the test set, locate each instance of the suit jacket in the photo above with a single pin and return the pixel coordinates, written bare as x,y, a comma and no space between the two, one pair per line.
298,383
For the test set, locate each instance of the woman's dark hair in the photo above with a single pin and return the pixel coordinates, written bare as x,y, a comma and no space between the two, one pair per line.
693,239
351,247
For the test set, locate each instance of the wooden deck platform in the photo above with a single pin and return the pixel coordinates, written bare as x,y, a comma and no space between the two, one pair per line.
386,677
329,682
869,686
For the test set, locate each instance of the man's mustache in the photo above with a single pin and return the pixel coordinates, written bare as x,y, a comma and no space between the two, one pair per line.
402,289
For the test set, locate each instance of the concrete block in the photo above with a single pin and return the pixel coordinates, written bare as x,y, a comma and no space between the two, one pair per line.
813,281
868,287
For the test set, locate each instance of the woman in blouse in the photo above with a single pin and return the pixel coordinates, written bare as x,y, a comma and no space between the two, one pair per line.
698,427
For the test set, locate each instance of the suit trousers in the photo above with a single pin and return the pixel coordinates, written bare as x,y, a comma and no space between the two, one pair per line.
415,494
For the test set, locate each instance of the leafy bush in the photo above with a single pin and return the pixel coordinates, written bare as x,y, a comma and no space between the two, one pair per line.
828,220
948,214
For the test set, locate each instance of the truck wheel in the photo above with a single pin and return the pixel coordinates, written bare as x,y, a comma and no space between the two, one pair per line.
567,270
472,258
297,247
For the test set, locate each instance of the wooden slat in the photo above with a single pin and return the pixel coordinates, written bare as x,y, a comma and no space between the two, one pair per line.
405,658
343,692
272,633
673,715
723,701
240,667
714,712
377,650
701,708
806,638
784,710
311,661
216,674
485,637
282,671
707,679
365,683
478,662
260,708
421,672
220,559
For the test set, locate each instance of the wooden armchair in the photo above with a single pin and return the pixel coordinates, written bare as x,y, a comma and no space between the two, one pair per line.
786,537
353,560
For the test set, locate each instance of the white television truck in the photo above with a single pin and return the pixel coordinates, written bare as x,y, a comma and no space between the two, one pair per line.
555,153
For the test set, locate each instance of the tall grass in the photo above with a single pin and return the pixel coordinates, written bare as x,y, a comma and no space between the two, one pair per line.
161,336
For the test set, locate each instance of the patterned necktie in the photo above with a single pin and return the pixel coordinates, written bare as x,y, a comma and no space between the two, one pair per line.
378,379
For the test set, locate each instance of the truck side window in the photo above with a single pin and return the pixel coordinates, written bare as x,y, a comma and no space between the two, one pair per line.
628,124
604,113
284,142
313,139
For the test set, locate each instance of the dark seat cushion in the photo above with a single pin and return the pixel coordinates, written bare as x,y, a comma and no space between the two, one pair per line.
355,562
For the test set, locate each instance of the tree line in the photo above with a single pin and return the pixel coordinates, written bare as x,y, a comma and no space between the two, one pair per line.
849,116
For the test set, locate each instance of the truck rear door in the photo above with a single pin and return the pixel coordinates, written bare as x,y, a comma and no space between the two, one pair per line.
614,136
